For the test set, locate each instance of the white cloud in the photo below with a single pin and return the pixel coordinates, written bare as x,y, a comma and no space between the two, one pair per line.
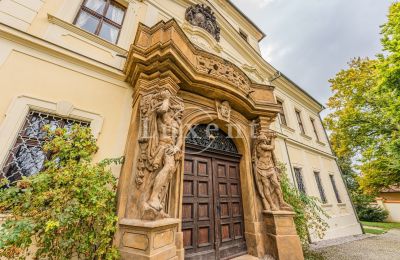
258,3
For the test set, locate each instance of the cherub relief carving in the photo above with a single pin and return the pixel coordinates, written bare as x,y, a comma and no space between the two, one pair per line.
267,174
160,145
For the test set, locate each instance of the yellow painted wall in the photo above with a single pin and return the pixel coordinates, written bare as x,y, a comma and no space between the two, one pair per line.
24,74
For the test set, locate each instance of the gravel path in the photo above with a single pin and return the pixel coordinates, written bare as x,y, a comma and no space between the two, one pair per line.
366,247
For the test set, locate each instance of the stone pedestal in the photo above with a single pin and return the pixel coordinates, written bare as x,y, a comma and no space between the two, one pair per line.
282,241
148,240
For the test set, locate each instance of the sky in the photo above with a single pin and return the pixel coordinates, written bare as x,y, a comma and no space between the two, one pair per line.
312,40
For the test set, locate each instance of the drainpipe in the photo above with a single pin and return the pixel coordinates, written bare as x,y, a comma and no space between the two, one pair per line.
341,175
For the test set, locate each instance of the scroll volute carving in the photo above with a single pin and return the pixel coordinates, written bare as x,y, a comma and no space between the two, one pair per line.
160,145
266,174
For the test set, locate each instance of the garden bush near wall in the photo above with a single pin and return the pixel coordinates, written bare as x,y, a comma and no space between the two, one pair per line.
68,209
309,215
366,209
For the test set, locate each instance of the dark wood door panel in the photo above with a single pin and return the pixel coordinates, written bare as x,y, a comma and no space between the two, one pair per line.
229,216
197,208
212,212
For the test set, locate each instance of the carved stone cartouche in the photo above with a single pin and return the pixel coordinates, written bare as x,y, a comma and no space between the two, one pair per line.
160,145
266,173
202,16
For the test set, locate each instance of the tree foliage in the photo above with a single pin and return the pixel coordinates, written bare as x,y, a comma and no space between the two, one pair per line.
66,210
365,119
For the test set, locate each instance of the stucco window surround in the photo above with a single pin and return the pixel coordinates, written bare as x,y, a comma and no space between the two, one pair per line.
67,13
21,105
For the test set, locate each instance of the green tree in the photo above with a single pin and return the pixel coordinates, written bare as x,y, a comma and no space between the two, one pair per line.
66,210
365,119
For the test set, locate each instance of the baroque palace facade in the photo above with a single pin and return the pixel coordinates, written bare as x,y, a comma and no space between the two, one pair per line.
180,89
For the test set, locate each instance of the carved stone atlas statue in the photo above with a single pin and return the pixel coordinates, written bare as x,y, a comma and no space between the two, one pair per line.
267,174
161,150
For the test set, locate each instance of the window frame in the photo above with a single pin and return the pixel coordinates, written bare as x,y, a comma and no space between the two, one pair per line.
102,17
335,189
301,187
300,121
315,129
320,186
282,113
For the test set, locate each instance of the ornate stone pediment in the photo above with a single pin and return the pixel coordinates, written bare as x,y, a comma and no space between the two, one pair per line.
166,47
202,16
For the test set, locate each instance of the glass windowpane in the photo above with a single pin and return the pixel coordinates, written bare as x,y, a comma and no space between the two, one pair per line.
109,32
299,180
96,5
115,14
320,187
87,22
339,200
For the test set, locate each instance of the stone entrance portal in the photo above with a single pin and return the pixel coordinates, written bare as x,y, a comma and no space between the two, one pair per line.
176,202
212,211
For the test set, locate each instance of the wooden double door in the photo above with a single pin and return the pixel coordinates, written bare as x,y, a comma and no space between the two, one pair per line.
212,212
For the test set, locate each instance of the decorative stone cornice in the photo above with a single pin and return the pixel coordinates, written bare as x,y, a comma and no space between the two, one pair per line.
165,47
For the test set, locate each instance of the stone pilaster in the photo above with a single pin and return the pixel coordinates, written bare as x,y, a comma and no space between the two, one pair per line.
147,229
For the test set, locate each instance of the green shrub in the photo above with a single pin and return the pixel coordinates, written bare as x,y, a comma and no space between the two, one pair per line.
365,208
372,213
66,210
309,215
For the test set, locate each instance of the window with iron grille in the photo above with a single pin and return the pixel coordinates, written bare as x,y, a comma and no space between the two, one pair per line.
314,128
335,189
26,158
320,187
101,17
300,122
282,116
299,180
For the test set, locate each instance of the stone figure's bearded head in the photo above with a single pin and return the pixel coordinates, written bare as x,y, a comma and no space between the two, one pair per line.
177,111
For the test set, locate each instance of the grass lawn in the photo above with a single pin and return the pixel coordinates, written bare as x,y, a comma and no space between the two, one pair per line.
374,231
378,228
383,225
